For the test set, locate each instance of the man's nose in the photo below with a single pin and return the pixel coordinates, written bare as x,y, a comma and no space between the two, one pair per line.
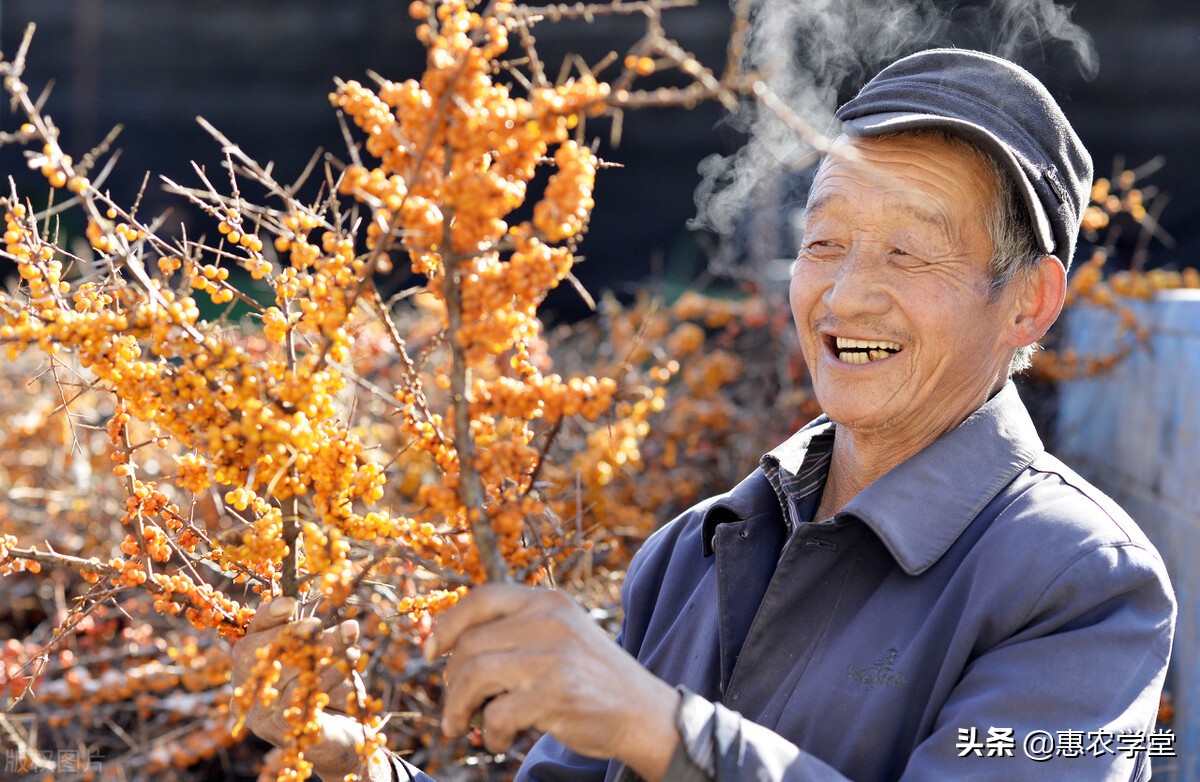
857,287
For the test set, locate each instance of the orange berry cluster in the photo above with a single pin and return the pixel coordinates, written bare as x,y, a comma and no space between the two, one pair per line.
271,429
1107,201
246,422
1090,285
56,166
457,153
305,651
10,563
417,606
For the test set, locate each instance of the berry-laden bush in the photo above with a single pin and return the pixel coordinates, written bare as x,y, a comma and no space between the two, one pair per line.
372,457
165,469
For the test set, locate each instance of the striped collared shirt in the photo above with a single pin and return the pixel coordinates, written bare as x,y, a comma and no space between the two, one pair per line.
797,470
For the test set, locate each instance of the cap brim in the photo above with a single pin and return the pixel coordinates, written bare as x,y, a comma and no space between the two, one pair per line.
888,122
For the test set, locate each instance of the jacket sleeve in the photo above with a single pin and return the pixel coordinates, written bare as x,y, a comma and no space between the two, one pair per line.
550,761
1072,696
1078,684
719,744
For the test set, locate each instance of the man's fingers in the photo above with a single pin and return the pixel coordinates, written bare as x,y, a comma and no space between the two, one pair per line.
288,681
483,604
342,696
476,682
330,677
342,636
278,611
349,693
497,638
533,631
264,626
245,651
505,716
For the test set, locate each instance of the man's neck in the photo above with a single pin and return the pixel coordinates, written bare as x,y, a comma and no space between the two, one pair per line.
860,458
854,466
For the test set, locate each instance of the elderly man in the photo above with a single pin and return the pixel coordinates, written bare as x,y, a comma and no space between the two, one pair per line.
909,587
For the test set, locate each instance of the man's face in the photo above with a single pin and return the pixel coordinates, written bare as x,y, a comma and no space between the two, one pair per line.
890,290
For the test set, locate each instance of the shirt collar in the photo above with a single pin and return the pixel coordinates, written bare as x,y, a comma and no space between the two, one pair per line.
791,453
758,495
921,506
798,467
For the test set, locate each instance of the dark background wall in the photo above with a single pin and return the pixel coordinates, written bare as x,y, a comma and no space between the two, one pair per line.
261,70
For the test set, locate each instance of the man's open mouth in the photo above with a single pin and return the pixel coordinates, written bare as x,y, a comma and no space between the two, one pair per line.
863,351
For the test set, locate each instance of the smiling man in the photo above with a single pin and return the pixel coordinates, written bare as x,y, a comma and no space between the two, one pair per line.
903,325
910,587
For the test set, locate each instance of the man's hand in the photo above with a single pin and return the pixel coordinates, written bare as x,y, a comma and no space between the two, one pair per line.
335,755
532,658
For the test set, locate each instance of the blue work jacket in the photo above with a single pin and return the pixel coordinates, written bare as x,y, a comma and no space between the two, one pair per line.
977,595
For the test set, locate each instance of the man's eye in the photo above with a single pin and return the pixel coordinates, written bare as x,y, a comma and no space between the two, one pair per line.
908,257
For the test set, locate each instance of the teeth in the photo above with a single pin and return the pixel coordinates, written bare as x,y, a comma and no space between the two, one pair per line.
857,357
846,342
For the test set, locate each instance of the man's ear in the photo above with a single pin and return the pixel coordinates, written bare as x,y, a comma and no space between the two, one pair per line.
1038,302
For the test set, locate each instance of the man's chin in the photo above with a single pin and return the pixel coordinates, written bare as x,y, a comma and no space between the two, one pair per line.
858,409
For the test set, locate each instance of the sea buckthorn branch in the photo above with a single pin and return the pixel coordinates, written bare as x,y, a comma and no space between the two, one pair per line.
60,171
411,559
411,386
83,720
547,443
470,488
101,152
64,404
136,549
1121,195
143,531
727,89
262,175
448,279
230,209
557,12
176,592
92,569
290,579
735,53
191,533
27,753
1113,203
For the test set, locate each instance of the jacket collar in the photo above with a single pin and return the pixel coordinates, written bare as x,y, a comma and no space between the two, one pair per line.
920,507
751,498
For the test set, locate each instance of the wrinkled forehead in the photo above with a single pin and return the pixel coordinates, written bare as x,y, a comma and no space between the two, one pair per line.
927,163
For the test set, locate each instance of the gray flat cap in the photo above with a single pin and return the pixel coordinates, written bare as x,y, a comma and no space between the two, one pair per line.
1001,108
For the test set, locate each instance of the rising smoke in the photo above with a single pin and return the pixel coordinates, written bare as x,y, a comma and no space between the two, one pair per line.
813,53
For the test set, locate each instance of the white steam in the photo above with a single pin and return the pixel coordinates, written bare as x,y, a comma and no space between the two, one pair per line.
808,50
